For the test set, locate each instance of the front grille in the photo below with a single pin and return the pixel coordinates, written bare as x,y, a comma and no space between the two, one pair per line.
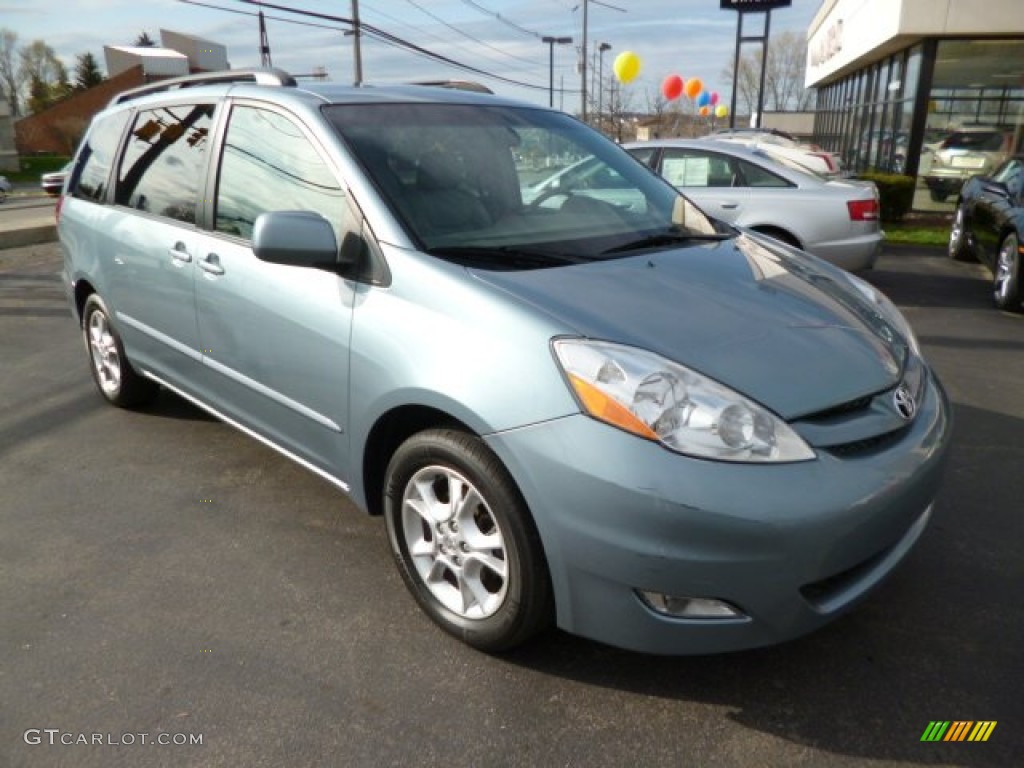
857,447
842,409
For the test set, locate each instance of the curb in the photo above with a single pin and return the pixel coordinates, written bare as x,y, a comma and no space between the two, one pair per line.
16,238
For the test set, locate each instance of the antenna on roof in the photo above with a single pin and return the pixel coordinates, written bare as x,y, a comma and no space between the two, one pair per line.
264,43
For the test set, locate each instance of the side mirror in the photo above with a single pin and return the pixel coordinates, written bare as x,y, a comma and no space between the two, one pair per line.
295,239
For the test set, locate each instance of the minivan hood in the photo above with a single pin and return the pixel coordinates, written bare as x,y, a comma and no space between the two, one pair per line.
784,329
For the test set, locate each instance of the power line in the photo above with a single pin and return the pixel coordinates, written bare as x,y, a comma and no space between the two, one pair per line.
466,34
502,19
394,40
373,10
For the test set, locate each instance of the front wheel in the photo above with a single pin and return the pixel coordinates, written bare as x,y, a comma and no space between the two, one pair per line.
1006,286
114,376
464,540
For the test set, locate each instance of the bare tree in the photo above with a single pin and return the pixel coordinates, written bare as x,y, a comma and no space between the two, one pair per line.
45,73
784,75
10,75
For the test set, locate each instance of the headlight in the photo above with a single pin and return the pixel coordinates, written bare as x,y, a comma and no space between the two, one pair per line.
686,412
888,311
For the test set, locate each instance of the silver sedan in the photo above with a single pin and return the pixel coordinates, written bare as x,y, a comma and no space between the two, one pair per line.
836,220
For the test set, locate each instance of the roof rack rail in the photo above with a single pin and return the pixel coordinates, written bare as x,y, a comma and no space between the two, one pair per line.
458,85
272,76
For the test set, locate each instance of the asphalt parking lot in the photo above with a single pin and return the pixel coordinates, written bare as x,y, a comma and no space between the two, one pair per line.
162,574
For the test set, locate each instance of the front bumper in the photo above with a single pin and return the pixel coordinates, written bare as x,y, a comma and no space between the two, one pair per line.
792,545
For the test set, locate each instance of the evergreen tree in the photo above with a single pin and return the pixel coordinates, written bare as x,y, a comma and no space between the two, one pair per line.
87,72
144,41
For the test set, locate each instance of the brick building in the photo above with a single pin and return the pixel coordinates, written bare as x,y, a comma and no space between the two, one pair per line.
56,130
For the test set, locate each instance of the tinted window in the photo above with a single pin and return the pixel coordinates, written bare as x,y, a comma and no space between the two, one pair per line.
268,164
696,168
98,156
982,141
164,161
756,176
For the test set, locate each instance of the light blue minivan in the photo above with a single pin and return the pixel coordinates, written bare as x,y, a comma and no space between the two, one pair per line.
614,415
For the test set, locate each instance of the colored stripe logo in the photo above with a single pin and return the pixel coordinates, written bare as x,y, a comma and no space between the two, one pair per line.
958,730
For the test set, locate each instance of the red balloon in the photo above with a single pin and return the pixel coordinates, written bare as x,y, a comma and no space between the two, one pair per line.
672,87
714,98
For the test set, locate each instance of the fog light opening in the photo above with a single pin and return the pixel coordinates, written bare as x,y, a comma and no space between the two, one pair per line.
690,607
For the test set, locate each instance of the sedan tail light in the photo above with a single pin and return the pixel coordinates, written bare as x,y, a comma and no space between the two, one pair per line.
863,210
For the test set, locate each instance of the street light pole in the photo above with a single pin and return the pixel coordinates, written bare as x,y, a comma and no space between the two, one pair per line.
551,63
600,80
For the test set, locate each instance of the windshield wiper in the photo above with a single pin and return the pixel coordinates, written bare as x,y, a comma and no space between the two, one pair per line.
667,238
506,255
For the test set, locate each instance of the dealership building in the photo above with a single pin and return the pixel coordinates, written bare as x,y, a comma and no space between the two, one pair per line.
900,81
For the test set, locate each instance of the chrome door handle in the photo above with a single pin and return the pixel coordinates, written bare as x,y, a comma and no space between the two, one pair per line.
180,253
211,264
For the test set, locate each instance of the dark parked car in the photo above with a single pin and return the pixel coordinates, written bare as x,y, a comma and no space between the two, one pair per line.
989,226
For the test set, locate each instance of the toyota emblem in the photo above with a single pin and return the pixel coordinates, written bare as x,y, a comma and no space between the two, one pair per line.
904,402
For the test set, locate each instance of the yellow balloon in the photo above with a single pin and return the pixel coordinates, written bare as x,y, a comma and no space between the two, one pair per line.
721,111
627,66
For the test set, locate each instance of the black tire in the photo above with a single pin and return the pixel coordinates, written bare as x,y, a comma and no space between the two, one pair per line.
937,196
465,551
959,242
1006,279
115,378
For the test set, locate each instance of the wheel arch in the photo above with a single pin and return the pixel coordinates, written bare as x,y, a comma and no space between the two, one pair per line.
83,290
389,431
779,233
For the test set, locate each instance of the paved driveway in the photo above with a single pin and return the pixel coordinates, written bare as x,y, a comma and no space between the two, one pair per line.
162,574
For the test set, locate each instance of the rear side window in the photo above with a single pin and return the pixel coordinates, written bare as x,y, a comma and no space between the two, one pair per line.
980,141
268,164
165,160
98,156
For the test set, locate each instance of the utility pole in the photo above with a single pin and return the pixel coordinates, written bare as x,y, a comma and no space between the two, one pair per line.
583,67
265,60
356,52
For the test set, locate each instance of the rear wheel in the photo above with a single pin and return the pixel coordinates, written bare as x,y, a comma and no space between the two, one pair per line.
114,376
959,248
464,541
1006,285
779,234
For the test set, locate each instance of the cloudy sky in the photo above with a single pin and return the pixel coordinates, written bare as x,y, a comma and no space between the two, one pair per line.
691,38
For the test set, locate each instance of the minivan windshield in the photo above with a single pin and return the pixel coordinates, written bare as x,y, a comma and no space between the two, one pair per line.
513,187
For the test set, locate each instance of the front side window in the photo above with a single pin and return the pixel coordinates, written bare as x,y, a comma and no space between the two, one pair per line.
268,164
165,161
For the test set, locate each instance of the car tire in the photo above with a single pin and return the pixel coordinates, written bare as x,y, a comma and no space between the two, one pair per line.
938,197
476,568
115,378
1006,282
959,243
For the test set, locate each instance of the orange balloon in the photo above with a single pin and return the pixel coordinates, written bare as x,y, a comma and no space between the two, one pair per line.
694,86
705,111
